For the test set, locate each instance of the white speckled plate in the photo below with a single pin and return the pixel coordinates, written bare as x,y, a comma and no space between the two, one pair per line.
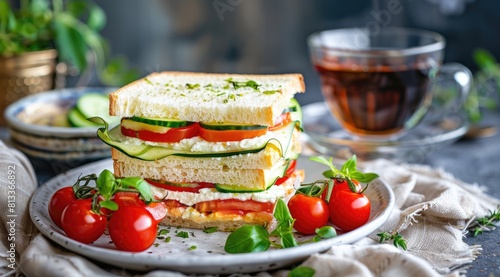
209,255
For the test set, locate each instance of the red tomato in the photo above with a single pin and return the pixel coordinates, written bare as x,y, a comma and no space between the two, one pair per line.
309,213
132,228
289,171
80,223
282,120
349,210
194,187
59,201
233,204
158,210
171,136
230,135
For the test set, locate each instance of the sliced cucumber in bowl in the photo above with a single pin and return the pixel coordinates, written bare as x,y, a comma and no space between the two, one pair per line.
91,105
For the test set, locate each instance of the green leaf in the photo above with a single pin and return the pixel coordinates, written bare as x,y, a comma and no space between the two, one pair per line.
326,232
39,6
328,174
70,42
323,160
368,177
109,204
77,8
106,184
287,238
281,212
5,14
247,239
302,271
97,18
484,59
349,166
141,185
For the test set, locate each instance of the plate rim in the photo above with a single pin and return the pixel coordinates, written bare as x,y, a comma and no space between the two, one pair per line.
116,257
11,112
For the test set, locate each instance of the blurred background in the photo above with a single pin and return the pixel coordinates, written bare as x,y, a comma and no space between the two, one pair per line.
269,36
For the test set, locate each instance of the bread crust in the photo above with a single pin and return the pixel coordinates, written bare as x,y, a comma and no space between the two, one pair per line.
149,97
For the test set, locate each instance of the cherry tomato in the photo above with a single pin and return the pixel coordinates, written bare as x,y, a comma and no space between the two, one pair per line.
309,213
59,201
349,210
230,135
289,171
132,228
80,223
282,120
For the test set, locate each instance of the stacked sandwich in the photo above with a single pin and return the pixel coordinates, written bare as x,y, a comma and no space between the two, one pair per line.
218,149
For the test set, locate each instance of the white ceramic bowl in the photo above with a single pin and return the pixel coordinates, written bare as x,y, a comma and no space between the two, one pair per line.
27,122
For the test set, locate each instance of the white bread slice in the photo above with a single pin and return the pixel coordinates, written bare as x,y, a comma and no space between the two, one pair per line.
247,178
204,97
188,217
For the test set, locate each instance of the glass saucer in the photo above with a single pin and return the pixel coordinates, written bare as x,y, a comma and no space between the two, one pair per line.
324,135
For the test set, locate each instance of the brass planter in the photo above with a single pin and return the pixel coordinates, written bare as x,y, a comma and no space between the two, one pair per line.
25,74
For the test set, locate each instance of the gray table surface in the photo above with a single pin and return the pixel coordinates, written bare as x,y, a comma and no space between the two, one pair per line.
472,160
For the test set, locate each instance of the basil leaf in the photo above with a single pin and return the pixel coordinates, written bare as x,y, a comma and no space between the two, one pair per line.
109,204
287,238
369,177
106,184
323,160
141,185
302,271
281,212
326,232
247,239
328,174
349,166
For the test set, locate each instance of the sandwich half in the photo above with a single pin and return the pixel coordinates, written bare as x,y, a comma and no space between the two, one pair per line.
218,149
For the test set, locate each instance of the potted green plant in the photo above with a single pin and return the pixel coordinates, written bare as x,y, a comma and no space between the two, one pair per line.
38,35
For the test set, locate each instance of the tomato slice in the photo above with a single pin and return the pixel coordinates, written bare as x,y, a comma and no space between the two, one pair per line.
185,187
234,204
128,132
171,136
173,204
289,171
282,120
230,135
158,210
128,199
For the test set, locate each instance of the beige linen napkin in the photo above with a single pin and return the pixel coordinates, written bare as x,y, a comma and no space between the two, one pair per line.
17,184
433,210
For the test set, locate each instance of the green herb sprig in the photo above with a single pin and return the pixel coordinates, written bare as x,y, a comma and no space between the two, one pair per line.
348,172
486,223
106,185
396,238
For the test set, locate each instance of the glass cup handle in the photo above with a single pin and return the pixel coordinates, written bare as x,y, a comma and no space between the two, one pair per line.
451,88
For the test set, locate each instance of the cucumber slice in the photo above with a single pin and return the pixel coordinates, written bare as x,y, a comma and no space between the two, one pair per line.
297,114
172,123
150,153
224,127
139,126
96,104
76,119
278,172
